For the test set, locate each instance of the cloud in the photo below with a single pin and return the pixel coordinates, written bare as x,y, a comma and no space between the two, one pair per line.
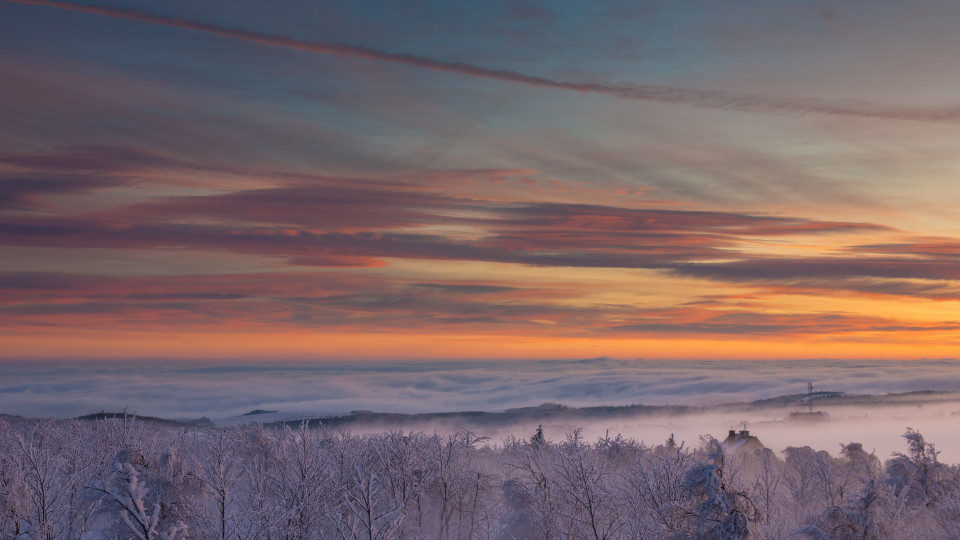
325,300
785,269
563,248
28,190
355,222
337,301
725,322
331,223
915,287
101,159
924,247
611,218
468,289
26,180
663,94
331,203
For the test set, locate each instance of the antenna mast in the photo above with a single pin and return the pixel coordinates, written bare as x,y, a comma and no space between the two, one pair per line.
810,398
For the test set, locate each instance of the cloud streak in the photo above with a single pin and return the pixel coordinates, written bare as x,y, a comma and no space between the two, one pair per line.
331,227
731,101
338,301
365,226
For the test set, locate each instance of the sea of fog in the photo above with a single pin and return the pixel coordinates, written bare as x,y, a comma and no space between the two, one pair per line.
223,391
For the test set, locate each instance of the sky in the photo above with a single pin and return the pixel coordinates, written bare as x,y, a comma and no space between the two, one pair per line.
429,180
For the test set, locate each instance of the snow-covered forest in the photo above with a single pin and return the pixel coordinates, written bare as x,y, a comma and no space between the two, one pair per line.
123,478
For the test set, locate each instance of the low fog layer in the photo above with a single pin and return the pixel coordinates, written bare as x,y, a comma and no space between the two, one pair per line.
182,389
224,391
879,428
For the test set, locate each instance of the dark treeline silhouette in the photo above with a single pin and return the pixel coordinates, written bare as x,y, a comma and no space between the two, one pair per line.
123,478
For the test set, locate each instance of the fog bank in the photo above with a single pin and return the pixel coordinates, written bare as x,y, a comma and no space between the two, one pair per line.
222,390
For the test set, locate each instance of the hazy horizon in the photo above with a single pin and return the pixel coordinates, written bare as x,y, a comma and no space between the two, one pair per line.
202,388
223,391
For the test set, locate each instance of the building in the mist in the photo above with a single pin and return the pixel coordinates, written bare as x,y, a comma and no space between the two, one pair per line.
738,441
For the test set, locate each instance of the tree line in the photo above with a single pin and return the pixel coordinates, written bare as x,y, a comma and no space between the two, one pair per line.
123,478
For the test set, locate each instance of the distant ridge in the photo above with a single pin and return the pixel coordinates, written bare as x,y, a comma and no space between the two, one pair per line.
793,399
552,411
544,412
258,411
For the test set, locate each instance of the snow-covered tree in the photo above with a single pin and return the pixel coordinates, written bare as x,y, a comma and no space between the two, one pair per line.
653,492
718,510
140,513
125,479
585,482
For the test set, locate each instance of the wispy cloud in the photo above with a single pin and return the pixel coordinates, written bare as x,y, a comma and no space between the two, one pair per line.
26,190
333,239
794,268
360,226
100,159
337,301
664,94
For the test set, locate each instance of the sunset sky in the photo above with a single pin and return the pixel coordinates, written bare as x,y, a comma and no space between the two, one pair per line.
410,180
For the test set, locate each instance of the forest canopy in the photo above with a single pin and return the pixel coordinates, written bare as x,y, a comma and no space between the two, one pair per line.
124,478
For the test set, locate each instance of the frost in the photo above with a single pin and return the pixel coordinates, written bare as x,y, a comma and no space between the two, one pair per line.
121,479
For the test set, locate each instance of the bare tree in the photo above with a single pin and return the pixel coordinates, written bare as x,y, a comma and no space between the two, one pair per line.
217,467
534,490
654,491
47,478
302,480
585,483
